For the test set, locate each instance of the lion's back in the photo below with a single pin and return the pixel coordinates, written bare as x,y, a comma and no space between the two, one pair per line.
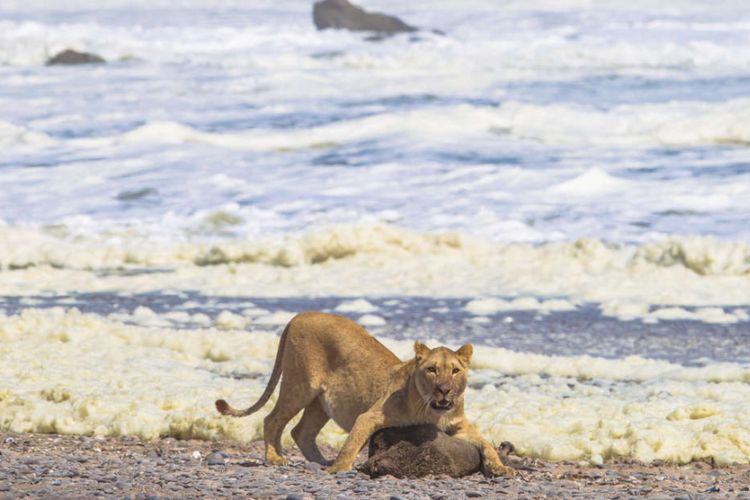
336,339
341,359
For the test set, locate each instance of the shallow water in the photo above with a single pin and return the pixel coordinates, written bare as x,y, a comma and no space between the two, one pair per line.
446,321
532,121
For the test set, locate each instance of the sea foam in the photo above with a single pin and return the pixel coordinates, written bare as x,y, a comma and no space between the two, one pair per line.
378,260
162,382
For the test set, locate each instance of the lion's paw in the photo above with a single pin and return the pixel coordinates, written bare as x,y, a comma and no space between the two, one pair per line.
334,468
275,460
498,469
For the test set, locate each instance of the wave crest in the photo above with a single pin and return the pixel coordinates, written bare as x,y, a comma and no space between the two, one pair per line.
22,247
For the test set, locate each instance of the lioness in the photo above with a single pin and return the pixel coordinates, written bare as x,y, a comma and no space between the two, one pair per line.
334,369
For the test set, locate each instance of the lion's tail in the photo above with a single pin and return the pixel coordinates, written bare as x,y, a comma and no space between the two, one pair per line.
225,409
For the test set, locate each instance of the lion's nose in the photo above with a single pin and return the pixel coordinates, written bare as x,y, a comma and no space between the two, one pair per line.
444,389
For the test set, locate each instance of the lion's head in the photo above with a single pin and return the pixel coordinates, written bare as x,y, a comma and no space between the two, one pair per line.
441,375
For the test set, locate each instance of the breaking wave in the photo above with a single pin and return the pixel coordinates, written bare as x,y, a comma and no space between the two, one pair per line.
25,247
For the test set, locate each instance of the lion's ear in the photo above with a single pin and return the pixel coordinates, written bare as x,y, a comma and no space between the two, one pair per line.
421,351
465,353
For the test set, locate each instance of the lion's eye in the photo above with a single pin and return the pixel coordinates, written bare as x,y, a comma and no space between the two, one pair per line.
456,370
432,369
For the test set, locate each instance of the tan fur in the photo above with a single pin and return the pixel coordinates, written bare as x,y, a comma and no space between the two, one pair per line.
333,369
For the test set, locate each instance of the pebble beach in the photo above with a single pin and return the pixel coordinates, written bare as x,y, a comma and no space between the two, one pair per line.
54,466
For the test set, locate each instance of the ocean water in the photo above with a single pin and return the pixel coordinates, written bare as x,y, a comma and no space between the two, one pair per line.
564,183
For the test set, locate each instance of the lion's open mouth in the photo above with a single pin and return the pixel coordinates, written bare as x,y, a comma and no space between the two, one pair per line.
443,405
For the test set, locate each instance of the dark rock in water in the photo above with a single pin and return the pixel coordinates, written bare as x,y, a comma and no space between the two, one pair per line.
70,57
418,451
342,14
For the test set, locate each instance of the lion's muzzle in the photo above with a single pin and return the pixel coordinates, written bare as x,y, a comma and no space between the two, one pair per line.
442,405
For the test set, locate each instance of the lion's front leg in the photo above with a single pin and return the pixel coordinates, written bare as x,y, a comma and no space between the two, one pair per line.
364,427
491,463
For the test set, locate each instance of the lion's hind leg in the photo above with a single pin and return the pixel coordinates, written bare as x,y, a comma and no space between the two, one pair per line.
293,397
305,432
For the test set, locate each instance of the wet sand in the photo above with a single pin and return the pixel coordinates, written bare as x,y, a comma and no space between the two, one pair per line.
40,465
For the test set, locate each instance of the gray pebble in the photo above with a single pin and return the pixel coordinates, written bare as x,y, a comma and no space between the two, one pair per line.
298,496
250,463
4,487
346,474
216,458
66,473
474,494
313,467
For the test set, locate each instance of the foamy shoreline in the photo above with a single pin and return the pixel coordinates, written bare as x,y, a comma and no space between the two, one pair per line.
164,369
650,281
564,184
